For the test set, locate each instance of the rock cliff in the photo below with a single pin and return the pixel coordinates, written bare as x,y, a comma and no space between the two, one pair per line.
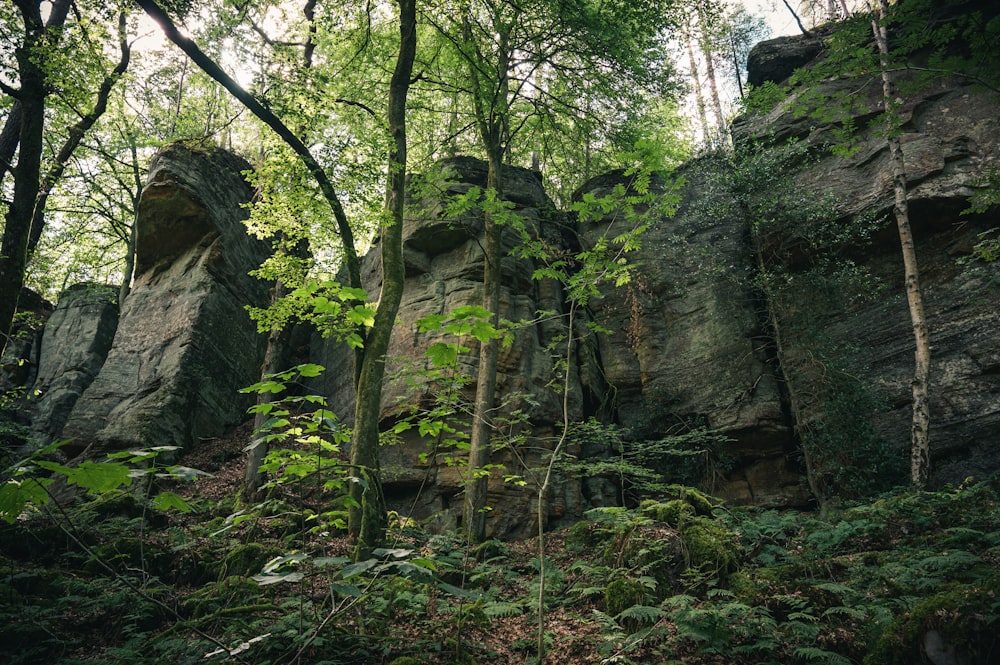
768,310
184,344
951,142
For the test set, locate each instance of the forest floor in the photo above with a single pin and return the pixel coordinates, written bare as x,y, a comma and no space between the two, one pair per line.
900,579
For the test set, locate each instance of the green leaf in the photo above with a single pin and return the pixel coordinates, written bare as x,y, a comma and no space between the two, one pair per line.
166,501
349,293
360,315
310,370
442,355
97,476
430,322
267,579
16,494
279,561
456,591
357,568
471,312
184,473
484,331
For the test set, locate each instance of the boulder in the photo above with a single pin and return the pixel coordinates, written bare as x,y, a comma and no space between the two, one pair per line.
184,344
75,344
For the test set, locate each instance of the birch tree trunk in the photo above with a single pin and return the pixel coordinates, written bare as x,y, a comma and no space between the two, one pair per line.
920,434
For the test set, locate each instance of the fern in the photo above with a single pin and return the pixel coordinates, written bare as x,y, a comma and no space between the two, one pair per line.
641,614
821,656
496,609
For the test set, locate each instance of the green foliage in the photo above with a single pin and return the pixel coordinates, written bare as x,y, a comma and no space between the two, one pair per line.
640,466
866,584
335,310
25,485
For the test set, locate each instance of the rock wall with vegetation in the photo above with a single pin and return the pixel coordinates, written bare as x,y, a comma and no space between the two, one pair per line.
832,269
761,348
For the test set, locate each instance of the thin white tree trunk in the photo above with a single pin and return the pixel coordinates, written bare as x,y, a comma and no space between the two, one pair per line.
699,99
920,435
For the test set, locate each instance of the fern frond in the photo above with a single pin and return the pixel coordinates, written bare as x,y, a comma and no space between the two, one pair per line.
499,609
821,656
641,614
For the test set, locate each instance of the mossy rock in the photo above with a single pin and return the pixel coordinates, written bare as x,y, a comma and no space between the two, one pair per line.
133,552
490,549
623,593
702,503
961,624
711,548
116,503
581,536
226,593
673,512
246,560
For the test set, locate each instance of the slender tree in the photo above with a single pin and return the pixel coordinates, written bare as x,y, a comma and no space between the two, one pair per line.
368,516
920,431
25,219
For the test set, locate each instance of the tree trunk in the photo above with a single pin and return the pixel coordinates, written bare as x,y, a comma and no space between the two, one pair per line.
14,247
492,122
920,434
12,125
126,285
368,518
275,360
713,88
76,134
477,484
798,21
8,138
699,99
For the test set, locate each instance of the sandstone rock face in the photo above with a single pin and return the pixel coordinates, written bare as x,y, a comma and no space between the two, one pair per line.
75,344
951,141
184,344
19,364
687,348
775,59
444,270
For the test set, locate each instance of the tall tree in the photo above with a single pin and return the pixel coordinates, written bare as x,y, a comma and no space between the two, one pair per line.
37,69
368,516
920,434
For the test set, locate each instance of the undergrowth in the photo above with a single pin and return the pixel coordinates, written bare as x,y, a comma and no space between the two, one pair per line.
680,579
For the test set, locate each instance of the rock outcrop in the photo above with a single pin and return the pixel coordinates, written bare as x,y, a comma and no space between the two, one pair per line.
687,346
444,269
184,345
75,344
951,142
734,320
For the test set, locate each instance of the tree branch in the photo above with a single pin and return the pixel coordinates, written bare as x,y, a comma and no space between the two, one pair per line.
266,116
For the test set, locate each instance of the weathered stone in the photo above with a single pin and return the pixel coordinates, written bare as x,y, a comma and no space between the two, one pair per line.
185,344
19,364
444,259
950,141
775,59
75,344
687,349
